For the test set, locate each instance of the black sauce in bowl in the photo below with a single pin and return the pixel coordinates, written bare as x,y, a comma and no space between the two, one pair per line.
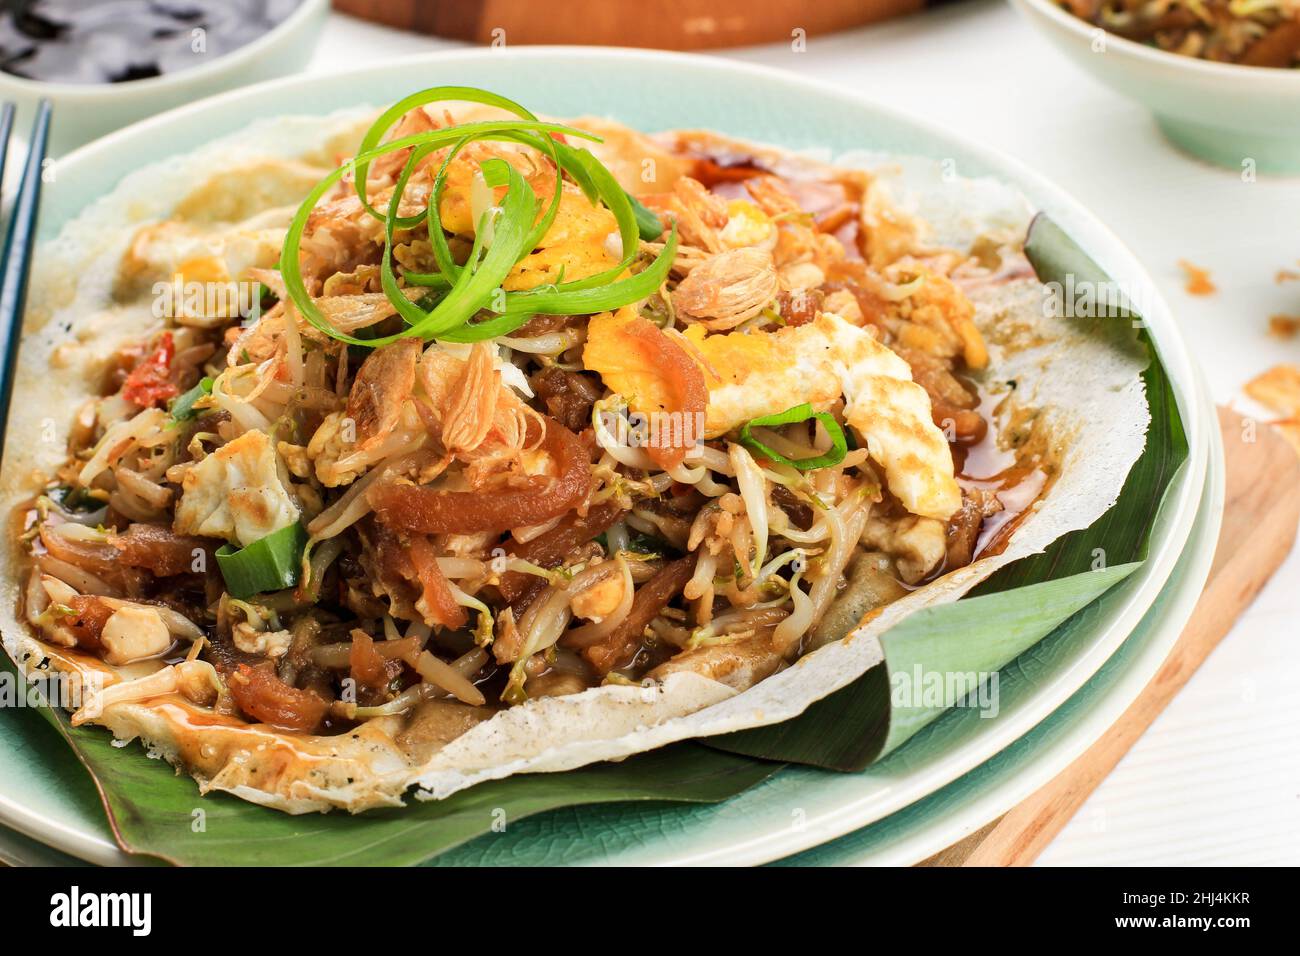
116,41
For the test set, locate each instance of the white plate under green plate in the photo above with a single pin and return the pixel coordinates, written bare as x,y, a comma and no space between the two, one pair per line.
658,91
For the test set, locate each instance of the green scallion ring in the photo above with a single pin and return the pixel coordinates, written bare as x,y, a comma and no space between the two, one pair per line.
792,416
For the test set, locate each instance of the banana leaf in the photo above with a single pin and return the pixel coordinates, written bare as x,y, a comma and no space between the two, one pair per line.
157,812
1009,613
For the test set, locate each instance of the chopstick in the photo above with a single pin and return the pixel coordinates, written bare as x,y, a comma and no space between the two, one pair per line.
6,127
17,253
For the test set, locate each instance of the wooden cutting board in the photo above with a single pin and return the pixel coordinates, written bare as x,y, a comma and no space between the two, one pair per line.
658,24
1261,512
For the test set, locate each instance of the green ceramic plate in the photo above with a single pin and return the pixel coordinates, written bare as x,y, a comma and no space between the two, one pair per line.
42,790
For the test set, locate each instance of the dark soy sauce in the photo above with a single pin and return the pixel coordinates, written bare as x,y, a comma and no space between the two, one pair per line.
116,41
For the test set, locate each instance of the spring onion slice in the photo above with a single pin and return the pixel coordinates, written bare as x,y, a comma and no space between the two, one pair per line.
182,407
569,301
591,177
290,264
517,227
792,416
595,181
471,290
409,311
494,177
487,328
561,300
582,165
647,223
393,115
268,564
432,280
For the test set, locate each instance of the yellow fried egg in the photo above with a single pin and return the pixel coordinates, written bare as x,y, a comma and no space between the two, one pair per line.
577,245
203,264
763,373
622,369
752,374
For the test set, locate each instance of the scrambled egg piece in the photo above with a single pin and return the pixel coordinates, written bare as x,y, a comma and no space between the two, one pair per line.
575,245
747,225
751,374
622,369
235,493
599,601
201,264
762,373
941,319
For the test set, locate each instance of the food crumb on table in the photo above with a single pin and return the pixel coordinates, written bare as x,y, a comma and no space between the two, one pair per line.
1198,281
1283,326
1279,389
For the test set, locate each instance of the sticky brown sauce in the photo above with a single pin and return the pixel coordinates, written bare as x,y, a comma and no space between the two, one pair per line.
835,207
1016,479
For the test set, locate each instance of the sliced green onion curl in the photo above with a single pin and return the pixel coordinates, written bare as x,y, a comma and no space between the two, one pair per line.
647,223
290,263
511,232
268,564
792,416
182,407
550,300
462,292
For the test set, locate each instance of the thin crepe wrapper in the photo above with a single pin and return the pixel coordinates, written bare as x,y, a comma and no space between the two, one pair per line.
156,827
152,809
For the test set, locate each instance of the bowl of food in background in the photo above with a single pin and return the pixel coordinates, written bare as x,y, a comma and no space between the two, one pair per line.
1222,77
106,63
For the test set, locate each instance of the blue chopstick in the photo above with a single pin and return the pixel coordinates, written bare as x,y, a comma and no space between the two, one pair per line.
18,250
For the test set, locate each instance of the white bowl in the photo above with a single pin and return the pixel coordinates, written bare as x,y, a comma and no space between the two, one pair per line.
1244,117
83,111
